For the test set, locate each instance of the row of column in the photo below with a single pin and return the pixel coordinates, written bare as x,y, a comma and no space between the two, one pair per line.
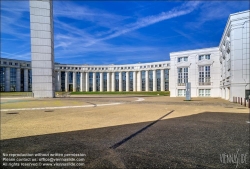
84,81
18,79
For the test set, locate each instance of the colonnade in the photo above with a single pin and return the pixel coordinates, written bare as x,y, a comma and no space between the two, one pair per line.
111,80
17,79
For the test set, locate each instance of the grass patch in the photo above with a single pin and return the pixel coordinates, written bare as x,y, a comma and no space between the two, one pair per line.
15,93
166,93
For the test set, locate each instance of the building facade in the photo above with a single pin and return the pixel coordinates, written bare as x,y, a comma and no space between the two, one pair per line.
222,71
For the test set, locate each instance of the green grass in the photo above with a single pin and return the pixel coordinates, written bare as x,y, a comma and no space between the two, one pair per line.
15,93
166,93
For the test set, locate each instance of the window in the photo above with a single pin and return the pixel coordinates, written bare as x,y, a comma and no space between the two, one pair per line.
16,64
182,59
204,92
181,92
204,75
201,57
28,65
182,76
10,63
5,63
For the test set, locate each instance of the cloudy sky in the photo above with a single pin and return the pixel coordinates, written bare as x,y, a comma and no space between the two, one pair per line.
96,32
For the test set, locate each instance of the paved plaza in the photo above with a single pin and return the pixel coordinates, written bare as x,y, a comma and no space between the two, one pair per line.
129,131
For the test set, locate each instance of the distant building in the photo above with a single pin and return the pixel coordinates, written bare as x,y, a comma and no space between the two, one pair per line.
222,71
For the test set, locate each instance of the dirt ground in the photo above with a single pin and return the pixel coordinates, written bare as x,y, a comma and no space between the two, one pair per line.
128,131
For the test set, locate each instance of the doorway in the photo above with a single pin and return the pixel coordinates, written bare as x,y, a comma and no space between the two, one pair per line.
70,87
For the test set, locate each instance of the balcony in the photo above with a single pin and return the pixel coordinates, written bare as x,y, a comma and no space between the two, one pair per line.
204,81
181,84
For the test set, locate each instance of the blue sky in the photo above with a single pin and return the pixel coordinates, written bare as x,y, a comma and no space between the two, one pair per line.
96,32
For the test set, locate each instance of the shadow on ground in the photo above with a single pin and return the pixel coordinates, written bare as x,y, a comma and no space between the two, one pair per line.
196,141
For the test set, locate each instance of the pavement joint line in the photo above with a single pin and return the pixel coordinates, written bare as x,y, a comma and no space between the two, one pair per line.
140,99
63,107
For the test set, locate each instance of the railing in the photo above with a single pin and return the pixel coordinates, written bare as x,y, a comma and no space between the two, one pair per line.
204,81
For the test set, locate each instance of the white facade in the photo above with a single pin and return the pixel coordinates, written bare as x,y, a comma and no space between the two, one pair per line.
199,67
42,48
235,57
222,71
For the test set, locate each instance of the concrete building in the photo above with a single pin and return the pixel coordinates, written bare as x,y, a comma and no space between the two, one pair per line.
42,48
222,71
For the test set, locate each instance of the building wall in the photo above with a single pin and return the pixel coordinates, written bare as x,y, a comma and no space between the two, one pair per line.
192,63
235,56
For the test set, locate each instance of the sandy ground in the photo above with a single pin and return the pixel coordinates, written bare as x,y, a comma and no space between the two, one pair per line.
16,122
113,118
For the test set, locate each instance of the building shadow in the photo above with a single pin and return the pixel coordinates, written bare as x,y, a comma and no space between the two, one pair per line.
196,141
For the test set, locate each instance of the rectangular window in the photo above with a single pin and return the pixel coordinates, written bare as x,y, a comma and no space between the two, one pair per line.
204,75
181,59
207,56
181,92
204,92
182,76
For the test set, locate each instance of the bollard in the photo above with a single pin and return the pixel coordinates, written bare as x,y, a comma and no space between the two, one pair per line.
249,103
245,102
238,100
241,101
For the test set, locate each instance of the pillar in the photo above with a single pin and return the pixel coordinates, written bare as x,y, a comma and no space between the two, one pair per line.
7,79
120,81
74,82
154,81
162,80
127,81
87,81
108,82
18,79
146,81
101,81
58,77
134,81
94,82
82,82
113,82
42,48
139,82
66,81
26,80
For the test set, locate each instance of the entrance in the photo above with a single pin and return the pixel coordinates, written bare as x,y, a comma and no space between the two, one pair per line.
70,87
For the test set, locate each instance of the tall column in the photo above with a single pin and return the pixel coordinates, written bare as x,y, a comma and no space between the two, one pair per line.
120,81
134,81
25,80
18,79
127,81
113,82
82,82
94,82
87,81
58,80
101,81
154,81
139,86
162,80
146,81
42,48
66,81
74,81
108,82
7,79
